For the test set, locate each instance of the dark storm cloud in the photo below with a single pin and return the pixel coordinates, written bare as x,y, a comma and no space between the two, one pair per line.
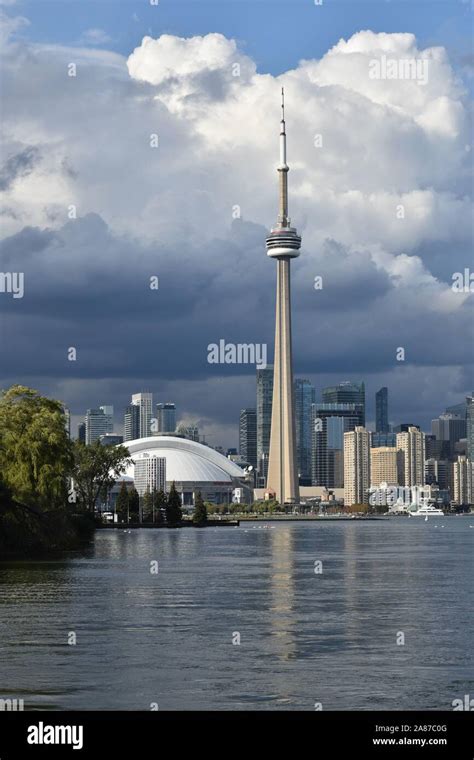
18,165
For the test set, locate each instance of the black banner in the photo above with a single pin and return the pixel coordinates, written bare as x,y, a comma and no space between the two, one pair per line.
375,734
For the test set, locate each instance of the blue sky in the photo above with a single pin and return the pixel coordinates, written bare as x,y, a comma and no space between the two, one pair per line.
275,34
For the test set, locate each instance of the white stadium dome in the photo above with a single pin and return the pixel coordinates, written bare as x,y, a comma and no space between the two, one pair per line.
190,465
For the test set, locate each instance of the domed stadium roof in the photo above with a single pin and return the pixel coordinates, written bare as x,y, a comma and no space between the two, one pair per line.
186,460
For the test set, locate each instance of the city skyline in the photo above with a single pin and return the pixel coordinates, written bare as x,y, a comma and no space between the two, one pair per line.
206,191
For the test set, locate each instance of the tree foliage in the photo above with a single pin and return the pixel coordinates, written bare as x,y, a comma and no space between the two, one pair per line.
96,468
35,451
174,512
121,505
200,510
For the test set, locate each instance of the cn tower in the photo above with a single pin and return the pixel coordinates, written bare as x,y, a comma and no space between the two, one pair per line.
283,244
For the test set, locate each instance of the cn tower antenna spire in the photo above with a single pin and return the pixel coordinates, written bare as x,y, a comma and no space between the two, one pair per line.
283,169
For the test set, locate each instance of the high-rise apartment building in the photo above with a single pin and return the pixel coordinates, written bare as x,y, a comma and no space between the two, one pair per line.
150,474
131,423
305,396
411,447
470,427
97,422
381,411
248,436
463,481
356,466
144,401
383,466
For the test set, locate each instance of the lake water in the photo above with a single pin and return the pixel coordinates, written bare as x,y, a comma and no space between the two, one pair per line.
328,637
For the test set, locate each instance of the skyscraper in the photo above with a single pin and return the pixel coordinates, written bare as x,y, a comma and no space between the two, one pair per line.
150,474
470,427
81,432
329,423
145,403
384,466
283,244
356,466
381,411
411,447
99,421
449,427
347,393
304,399
131,423
166,418
264,418
463,481
248,436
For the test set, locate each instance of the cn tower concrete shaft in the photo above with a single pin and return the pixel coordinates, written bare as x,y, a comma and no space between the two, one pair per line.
282,473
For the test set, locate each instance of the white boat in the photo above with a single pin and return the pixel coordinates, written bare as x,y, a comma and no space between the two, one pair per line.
427,510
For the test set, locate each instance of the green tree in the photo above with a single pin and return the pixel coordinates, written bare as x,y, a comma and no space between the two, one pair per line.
159,504
35,450
96,468
121,505
200,510
134,504
174,512
147,506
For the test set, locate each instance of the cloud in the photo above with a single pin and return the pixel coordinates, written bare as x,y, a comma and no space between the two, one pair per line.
379,188
94,37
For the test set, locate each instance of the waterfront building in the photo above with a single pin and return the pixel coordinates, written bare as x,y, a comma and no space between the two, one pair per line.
411,447
383,466
470,427
463,481
356,466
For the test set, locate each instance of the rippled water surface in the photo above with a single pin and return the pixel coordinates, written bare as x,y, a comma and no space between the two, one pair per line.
305,637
